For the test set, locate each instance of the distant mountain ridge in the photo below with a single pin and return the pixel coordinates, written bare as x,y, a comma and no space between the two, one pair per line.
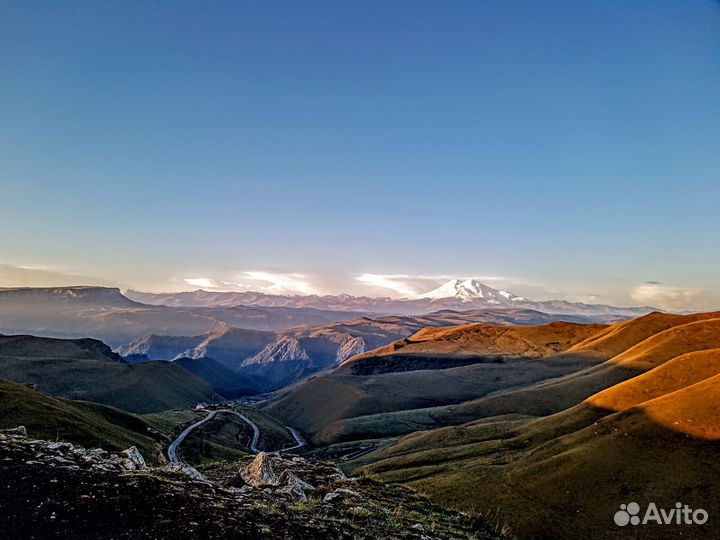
455,294
105,313
275,359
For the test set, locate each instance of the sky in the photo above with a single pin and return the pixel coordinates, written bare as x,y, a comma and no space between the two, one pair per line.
558,149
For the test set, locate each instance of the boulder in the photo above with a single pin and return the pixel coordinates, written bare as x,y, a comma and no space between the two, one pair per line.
260,472
289,479
295,493
132,460
187,470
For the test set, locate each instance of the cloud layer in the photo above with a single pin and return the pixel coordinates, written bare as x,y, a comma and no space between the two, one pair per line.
259,281
671,298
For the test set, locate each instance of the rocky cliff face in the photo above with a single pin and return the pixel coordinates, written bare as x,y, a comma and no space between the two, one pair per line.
57,490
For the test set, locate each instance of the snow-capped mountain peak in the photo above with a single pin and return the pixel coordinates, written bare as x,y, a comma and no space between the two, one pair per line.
471,290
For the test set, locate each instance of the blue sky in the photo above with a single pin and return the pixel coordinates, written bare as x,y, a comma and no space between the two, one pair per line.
557,148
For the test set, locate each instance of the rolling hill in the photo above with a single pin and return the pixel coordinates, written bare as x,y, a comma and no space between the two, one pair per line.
276,359
435,367
450,376
79,422
638,423
88,370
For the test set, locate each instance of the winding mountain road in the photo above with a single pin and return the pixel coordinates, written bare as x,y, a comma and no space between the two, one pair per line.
173,448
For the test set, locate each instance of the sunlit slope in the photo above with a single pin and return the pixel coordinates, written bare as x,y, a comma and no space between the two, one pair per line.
470,341
564,476
385,382
680,372
375,395
620,337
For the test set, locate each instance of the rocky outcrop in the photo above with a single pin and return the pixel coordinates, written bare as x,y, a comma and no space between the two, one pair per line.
66,455
352,347
286,349
260,472
56,490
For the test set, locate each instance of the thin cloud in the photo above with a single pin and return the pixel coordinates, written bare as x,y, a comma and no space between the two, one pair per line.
670,298
12,275
206,283
277,283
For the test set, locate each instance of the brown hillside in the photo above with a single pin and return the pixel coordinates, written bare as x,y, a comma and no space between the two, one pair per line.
663,346
483,340
620,337
678,373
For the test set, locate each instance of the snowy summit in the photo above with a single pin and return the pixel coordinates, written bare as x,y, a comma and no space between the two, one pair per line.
470,290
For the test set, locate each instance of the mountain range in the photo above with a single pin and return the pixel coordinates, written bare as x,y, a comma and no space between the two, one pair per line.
264,361
106,314
455,294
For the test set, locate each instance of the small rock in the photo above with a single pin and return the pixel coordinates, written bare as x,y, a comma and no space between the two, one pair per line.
332,496
348,492
295,493
188,471
62,446
16,433
289,479
418,527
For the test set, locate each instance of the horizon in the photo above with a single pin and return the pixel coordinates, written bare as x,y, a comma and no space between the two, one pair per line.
563,151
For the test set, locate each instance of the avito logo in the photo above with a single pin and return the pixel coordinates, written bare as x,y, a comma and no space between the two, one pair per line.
629,514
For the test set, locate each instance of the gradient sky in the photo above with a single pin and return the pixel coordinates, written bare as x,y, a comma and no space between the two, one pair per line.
555,148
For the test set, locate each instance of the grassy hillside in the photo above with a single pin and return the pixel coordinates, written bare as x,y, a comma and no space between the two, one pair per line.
653,437
63,368
86,424
272,360
225,382
409,375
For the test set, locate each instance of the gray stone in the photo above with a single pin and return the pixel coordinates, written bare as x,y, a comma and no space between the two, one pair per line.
16,433
295,493
332,496
133,460
289,479
260,472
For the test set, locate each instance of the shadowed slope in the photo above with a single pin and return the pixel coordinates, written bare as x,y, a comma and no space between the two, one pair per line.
88,370
78,422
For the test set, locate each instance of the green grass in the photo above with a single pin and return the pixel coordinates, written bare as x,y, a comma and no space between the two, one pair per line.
168,422
85,424
562,476
139,388
224,438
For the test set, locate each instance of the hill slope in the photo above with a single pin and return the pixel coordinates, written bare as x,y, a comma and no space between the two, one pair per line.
276,359
658,403
88,370
669,416
444,366
78,422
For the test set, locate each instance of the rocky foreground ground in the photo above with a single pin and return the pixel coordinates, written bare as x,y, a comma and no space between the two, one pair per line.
57,490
